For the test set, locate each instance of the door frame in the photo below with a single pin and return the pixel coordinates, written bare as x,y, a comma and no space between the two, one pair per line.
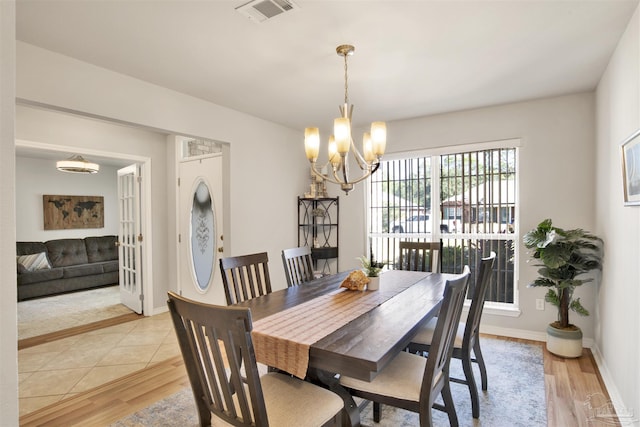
145,226
178,140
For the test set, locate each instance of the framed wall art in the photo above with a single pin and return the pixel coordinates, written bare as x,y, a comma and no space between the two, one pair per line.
630,151
65,212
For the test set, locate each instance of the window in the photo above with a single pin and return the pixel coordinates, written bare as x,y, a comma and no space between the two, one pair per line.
472,211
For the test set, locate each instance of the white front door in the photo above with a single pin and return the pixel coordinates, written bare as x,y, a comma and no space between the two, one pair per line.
130,238
200,219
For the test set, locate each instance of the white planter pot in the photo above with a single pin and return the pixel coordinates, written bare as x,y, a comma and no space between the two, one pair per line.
564,343
374,283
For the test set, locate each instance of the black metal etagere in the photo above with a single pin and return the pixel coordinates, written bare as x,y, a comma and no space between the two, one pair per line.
318,229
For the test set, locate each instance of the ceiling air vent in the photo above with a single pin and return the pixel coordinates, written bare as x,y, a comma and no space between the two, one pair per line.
261,10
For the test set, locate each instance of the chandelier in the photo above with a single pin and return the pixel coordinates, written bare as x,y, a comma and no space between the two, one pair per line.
77,164
341,143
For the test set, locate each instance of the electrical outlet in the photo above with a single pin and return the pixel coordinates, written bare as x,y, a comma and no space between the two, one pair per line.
539,304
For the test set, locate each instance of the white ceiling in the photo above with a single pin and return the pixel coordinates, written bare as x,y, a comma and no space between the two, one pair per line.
413,58
55,155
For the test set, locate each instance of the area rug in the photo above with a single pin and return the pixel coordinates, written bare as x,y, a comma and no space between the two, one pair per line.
516,395
45,315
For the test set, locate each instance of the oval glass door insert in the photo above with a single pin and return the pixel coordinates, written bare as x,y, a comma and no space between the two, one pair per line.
203,234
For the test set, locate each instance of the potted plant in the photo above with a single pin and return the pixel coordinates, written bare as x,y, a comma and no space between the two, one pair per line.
372,270
563,256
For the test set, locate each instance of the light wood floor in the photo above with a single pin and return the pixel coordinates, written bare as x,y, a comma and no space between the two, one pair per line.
569,384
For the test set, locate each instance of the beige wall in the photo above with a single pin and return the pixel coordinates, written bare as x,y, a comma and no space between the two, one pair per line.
617,316
8,331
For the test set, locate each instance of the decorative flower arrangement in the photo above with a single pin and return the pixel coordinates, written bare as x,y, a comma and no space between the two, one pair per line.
370,266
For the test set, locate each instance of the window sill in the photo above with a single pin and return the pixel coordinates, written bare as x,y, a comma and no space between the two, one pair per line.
498,309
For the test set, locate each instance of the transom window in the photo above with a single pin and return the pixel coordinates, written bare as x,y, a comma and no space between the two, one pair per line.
471,210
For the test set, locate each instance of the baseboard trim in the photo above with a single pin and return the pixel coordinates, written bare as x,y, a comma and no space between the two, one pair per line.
625,417
160,310
524,334
513,333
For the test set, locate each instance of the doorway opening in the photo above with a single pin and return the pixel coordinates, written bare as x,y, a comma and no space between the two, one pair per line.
27,323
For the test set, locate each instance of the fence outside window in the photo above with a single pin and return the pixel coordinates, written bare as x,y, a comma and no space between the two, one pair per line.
474,214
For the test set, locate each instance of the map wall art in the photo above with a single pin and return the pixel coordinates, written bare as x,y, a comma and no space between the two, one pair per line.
65,212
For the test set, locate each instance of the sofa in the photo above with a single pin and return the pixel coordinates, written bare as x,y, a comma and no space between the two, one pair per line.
66,265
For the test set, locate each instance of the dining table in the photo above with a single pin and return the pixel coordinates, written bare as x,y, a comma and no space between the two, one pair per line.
319,330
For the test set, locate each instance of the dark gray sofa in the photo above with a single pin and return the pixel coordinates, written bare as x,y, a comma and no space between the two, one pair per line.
74,264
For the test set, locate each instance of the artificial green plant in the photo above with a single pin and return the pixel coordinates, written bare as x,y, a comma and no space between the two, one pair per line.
564,256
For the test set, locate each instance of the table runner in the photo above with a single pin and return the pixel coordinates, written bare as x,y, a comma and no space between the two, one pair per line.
282,340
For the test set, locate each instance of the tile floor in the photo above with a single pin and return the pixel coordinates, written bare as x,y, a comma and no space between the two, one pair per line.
51,372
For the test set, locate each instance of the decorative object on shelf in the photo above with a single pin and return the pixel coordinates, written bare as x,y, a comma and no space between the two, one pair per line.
630,152
77,164
565,255
318,213
317,188
65,212
341,142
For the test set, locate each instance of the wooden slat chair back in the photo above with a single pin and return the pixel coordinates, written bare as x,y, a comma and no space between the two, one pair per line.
245,277
436,374
413,383
472,325
298,265
216,346
420,256
468,336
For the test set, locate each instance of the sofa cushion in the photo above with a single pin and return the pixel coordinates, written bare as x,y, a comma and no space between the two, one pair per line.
81,270
65,252
39,276
26,248
110,266
101,248
33,262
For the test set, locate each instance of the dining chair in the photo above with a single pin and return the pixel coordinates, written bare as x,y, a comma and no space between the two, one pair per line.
245,277
298,265
467,336
420,256
413,382
218,354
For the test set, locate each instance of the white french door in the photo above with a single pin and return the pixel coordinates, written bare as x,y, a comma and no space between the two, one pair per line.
130,238
200,220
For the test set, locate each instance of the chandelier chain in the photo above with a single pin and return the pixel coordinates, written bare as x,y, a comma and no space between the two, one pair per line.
346,81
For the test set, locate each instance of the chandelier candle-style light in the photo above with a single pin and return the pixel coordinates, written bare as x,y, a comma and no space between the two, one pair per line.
341,142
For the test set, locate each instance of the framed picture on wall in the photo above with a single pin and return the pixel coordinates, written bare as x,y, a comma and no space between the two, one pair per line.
68,212
630,151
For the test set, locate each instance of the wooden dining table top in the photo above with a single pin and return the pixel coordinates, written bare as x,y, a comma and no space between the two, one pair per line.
362,347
